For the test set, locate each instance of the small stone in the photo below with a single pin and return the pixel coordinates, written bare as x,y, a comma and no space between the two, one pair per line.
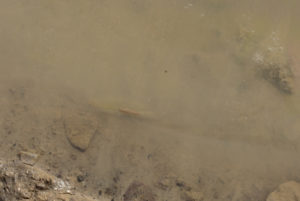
165,184
192,196
111,191
80,178
28,158
183,185
139,192
80,130
73,157
179,184
22,191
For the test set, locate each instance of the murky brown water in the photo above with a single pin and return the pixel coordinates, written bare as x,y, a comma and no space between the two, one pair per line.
188,66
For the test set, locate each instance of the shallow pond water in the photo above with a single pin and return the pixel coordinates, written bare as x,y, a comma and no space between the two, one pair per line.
207,90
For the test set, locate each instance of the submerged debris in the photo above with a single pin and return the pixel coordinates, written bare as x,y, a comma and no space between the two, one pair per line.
21,182
129,112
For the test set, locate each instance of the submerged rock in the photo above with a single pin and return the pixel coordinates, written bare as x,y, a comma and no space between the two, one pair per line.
289,191
80,129
274,65
28,158
269,55
278,74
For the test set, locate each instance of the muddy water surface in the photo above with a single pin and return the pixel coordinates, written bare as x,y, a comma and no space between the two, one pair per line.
190,68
